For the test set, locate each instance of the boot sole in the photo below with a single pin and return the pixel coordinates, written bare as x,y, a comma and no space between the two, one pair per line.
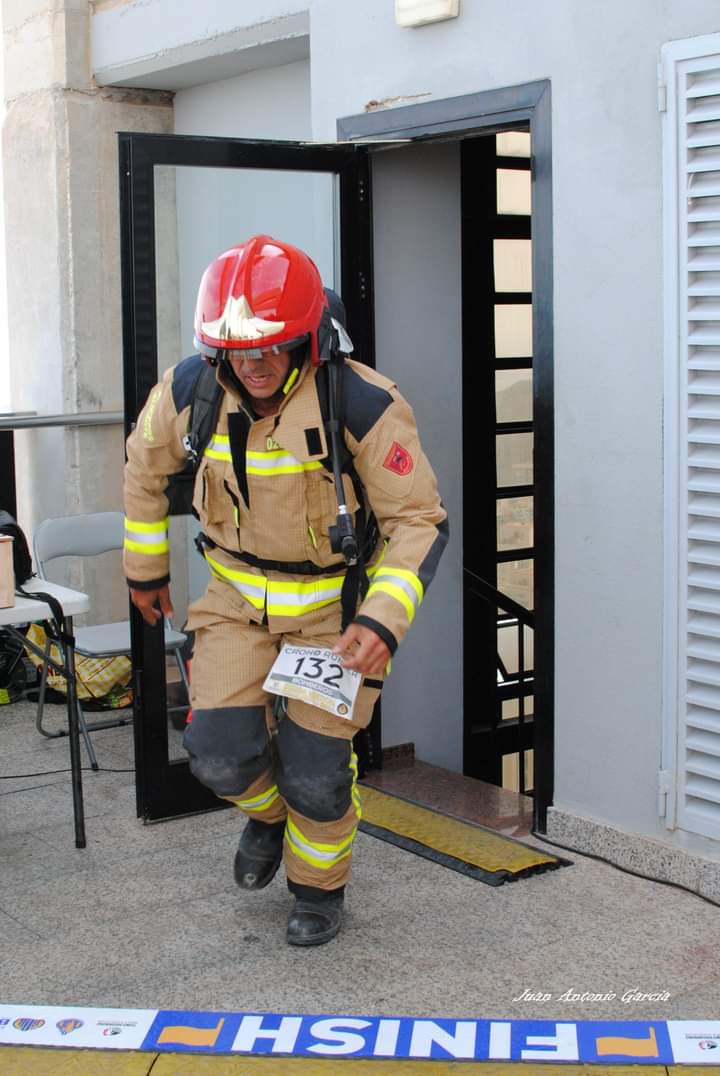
317,939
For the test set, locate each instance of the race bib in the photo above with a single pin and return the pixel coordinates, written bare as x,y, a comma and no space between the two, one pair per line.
315,676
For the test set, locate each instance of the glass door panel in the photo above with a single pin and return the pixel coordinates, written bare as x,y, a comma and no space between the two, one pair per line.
183,201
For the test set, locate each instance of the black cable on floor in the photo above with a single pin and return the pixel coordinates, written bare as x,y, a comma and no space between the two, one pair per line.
48,773
625,870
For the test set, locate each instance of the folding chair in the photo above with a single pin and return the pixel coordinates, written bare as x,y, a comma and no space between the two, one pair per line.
86,536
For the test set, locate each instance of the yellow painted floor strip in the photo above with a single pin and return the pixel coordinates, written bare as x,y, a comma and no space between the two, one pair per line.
466,842
54,1061
167,1065
38,1061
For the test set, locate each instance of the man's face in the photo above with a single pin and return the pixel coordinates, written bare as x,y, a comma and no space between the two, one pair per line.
261,377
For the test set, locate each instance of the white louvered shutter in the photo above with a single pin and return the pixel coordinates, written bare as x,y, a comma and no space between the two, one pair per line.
692,428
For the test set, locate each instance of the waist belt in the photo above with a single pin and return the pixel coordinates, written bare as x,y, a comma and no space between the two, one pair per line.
291,598
289,567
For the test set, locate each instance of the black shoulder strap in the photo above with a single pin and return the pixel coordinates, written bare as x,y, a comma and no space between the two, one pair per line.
323,388
204,410
365,522
356,582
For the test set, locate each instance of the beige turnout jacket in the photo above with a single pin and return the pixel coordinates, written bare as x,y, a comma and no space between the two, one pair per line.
261,490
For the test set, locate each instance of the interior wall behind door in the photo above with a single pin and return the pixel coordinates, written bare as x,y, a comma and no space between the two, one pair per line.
416,211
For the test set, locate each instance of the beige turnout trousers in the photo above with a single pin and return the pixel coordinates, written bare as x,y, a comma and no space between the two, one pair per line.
298,766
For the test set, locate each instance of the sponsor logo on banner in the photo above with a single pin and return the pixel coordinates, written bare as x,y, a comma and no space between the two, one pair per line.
695,1041
57,1025
112,1031
26,1023
68,1025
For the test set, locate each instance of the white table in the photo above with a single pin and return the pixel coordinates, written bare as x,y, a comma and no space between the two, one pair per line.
27,610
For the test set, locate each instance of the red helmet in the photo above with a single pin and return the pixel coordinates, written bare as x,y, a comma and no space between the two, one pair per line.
259,294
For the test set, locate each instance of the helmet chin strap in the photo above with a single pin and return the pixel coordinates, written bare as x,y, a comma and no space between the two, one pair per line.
233,377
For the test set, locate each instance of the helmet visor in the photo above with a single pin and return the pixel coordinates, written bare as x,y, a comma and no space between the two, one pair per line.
269,349
250,352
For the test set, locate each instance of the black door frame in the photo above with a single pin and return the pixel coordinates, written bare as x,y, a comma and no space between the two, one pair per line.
527,106
166,788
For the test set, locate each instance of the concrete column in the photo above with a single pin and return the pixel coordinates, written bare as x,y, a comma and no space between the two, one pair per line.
63,257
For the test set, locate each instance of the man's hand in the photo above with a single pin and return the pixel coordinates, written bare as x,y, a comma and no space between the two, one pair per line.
145,600
369,657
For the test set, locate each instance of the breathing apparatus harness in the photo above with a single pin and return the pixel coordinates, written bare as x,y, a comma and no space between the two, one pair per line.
352,538
334,345
345,537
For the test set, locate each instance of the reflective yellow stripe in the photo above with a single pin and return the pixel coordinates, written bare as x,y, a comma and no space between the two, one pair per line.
280,598
275,462
219,448
284,598
148,548
146,538
402,575
251,587
354,792
261,802
296,599
323,856
395,592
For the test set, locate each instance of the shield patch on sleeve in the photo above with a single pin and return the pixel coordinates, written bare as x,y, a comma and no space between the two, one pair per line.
398,459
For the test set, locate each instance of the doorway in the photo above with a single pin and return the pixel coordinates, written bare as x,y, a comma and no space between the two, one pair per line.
183,200
479,263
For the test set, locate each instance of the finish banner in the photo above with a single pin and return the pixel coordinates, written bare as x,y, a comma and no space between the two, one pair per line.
695,1042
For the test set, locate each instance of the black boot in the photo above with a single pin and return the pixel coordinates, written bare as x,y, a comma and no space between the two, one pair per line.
317,915
259,854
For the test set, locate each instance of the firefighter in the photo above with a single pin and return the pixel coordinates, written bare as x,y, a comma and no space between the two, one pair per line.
266,500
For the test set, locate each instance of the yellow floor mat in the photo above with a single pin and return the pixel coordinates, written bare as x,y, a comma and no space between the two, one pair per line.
29,1061
461,846
54,1061
169,1065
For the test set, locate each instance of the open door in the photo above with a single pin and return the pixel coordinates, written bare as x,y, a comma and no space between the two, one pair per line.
183,200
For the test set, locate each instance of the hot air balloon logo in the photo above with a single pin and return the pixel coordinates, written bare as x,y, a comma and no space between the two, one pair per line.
26,1023
66,1026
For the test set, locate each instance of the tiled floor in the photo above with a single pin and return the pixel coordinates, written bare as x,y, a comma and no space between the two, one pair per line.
149,915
